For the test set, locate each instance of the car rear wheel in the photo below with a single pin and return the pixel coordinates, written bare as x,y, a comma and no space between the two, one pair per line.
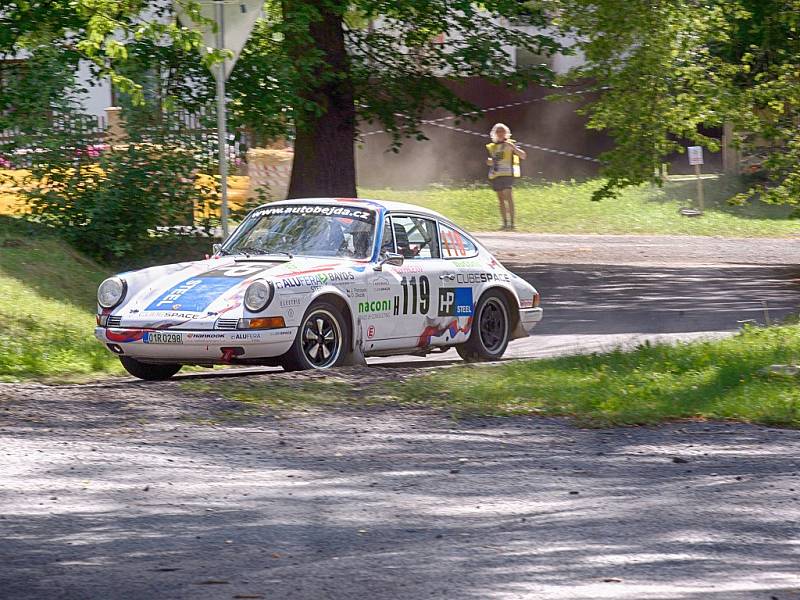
148,372
321,341
489,337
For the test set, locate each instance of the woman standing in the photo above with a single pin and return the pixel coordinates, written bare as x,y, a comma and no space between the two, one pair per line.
503,161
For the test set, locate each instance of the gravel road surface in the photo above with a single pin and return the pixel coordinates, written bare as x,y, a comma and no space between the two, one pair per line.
129,490
121,491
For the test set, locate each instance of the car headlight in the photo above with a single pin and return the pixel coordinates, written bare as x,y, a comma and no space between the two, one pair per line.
258,296
111,292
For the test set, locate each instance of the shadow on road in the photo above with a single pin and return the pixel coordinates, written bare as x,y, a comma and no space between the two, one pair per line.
605,299
367,506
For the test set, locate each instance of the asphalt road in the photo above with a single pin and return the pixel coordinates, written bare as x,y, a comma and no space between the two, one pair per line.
128,490
602,292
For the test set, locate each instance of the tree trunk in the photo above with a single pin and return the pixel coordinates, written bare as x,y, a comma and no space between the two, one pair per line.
324,159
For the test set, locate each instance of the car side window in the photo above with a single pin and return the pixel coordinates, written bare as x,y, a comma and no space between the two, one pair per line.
387,243
416,237
455,244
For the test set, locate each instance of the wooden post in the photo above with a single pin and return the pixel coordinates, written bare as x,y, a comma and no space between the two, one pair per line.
700,201
731,161
115,133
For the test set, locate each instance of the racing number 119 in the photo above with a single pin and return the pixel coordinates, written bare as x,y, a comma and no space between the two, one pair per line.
420,294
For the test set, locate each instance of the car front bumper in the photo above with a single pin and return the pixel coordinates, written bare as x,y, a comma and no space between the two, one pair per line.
206,347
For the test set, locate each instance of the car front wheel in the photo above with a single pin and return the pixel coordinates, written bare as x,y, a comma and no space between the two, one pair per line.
490,330
321,341
147,371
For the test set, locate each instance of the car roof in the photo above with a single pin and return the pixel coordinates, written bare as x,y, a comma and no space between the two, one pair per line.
390,206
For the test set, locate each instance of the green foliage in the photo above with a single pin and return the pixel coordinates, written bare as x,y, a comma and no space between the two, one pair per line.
112,201
659,80
47,293
33,90
396,66
767,43
170,77
99,31
668,67
113,208
727,379
108,201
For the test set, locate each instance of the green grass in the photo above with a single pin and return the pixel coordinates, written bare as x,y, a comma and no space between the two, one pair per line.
567,208
47,293
726,379
707,380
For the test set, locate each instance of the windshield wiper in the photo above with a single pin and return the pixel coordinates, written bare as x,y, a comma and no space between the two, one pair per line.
248,252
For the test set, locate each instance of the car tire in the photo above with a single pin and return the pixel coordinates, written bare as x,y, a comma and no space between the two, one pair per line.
147,371
321,342
491,329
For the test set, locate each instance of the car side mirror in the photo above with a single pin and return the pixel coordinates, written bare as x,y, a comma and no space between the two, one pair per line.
390,258
215,249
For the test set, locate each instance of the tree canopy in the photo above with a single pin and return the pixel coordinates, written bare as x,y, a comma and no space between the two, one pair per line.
319,68
328,65
667,67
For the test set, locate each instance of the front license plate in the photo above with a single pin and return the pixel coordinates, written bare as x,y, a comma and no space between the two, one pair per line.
162,337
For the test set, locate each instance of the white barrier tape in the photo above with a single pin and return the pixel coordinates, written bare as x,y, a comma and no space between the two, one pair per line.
488,110
504,106
531,146
438,123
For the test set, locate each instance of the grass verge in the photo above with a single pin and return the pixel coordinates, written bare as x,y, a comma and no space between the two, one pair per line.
728,379
567,208
47,293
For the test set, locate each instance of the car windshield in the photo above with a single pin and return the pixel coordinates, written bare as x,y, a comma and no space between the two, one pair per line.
306,229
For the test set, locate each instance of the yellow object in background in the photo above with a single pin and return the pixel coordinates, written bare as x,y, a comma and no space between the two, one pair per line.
238,194
12,201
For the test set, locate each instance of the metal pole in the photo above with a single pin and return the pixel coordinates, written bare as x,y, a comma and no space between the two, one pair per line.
221,129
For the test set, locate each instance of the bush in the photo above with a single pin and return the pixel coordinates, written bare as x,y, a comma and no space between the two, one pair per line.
116,203
119,204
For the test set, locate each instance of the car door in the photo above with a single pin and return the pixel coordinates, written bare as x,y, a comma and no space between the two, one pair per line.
458,292
403,299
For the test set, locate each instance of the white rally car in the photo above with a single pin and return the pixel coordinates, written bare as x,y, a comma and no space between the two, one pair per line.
316,283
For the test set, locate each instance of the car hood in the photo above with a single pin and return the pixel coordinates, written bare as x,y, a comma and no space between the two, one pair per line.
196,295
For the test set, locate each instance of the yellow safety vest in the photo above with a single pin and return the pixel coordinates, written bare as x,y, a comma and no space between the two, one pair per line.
504,162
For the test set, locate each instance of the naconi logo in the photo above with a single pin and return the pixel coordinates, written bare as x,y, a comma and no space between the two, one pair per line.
375,306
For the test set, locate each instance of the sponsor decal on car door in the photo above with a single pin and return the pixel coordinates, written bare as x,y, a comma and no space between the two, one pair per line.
403,298
401,301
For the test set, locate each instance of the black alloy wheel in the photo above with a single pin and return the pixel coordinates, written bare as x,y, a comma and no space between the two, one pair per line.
493,325
321,341
491,329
